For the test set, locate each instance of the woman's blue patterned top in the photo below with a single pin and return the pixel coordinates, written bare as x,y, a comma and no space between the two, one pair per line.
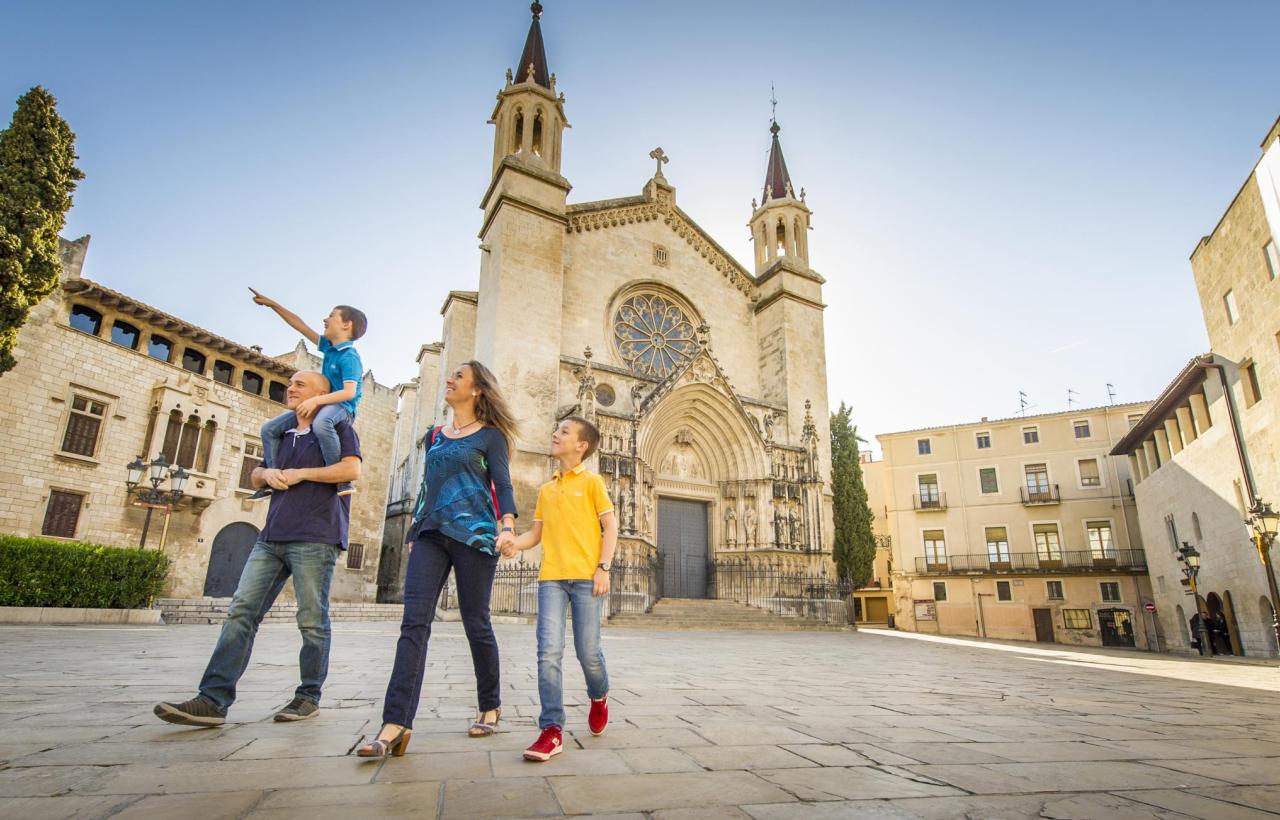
454,497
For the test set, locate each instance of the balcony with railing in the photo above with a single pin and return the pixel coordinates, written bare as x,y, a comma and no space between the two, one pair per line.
1037,495
929,502
1030,562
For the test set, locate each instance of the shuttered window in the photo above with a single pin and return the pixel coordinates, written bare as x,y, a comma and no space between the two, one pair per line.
355,556
62,515
252,459
83,425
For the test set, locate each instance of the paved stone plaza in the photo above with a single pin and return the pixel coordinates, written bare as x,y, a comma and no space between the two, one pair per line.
705,725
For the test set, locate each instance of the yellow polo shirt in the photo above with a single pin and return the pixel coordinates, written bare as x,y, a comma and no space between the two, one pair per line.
569,507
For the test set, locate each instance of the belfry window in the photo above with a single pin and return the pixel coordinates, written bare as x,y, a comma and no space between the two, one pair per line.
537,134
780,238
517,133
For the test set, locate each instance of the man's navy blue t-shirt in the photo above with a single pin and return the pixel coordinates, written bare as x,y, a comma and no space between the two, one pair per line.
310,511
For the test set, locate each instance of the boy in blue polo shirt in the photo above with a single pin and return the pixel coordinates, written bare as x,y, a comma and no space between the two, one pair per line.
343,369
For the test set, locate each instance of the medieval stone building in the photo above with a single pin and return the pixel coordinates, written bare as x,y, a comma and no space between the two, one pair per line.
708,379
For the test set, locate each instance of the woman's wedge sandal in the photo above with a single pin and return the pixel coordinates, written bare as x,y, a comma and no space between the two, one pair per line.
479,728
396,746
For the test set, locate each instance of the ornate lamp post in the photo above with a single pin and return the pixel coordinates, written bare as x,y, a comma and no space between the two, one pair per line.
152,497
1266,522
1190,558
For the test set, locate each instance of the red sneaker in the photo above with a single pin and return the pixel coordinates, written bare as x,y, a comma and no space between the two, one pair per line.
598,720
548,745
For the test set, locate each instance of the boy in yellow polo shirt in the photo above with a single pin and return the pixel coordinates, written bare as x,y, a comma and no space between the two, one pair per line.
575,523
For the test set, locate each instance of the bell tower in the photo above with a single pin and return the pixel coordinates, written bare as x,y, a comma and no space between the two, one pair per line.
529,118
780,223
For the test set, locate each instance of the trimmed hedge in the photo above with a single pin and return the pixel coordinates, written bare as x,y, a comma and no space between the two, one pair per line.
43,572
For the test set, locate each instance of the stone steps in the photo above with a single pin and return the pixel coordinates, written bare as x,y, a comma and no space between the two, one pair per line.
713,614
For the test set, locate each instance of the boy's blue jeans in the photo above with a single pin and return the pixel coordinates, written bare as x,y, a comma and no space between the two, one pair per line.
270,564
554,599
326,419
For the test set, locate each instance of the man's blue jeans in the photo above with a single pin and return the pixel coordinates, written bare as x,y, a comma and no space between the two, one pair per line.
270,564
322,426
554,599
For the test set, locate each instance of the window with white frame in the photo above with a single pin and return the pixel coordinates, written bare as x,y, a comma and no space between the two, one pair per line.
935,547
1110,591
923,446
1101,544
1229,302
929,494
1004,591
988,481
1081,429
1053,590
84,426
1030,435
250,461
1048,542
1133,419
1090,475
1037,481
983,440
1272,256
997,545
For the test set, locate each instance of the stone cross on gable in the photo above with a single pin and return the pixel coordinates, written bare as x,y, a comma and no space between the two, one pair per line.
658,155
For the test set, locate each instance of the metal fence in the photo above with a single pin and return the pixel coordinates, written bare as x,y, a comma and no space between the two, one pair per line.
768,586
634,587
1072,561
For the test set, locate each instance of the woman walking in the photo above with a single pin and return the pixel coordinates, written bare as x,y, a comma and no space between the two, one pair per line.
455,526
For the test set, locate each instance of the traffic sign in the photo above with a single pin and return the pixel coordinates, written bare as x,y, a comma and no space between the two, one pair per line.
1149,607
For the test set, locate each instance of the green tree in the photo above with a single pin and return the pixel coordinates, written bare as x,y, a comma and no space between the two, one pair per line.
37,175
855,546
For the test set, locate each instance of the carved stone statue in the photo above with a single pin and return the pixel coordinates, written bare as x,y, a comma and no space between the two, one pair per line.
750,521
794,527
768,426
777,528
730,525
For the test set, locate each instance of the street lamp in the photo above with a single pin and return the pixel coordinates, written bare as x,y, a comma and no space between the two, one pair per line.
152,497
1190,558
1265,522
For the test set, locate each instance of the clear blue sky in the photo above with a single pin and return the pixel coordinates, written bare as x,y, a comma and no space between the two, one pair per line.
1005,194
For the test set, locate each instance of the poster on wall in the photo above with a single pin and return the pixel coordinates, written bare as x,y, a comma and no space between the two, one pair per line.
926,611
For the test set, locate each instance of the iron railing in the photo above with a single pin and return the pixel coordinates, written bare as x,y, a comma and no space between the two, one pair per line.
1075,561
815,596
929,501
1047,494
634,587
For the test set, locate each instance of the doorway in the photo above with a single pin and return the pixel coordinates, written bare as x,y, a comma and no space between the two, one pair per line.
230,551
682,542
1116,626
1044,624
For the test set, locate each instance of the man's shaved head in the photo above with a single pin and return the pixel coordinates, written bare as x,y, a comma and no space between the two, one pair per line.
304,385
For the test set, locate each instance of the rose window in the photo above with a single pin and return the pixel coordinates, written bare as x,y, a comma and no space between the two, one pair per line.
653,334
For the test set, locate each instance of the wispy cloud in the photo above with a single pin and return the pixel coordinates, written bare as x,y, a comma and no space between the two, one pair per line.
1065,348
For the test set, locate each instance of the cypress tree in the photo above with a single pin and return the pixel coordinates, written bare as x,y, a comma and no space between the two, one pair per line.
854,550
37,175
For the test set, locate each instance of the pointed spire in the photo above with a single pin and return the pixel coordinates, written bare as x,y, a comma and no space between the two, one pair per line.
777,182
534,57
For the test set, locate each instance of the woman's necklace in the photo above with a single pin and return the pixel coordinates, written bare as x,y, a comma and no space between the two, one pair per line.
456,429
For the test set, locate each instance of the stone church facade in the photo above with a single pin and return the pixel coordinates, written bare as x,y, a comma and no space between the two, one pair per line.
707,379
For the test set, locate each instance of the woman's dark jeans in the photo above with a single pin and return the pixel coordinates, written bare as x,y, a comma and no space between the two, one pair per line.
430,559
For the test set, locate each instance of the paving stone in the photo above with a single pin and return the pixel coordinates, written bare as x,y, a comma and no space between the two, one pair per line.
206,806
570,761
747,758
383,801
658,760
1258,797
416,767
1196,805
47,781
224,775
63,808
853,783
651,792
1245,771
513,797
830,754
1011,778
1028,807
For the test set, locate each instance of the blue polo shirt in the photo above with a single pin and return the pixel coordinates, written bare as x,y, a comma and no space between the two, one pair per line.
310,511
342,364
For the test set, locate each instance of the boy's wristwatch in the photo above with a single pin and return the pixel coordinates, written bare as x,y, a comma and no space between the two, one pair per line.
508,529
603,566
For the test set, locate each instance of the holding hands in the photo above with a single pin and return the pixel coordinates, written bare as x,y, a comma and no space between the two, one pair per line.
507,544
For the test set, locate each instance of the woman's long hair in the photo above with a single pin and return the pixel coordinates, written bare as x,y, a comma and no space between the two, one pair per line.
491,405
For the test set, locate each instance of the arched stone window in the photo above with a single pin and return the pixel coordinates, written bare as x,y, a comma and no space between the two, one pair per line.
537,134
780,238
654,335
86,319
517,133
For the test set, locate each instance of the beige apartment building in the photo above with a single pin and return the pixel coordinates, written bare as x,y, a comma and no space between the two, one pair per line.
1209,450
874,603
1019,529
103,378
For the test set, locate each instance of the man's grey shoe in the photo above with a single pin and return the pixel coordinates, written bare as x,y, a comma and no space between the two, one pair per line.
298,709
194,712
